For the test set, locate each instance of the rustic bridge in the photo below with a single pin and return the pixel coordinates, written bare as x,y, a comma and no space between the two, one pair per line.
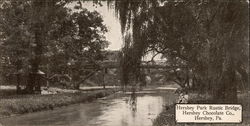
114,64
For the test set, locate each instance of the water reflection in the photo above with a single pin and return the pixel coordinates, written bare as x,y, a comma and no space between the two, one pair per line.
129,110
133,102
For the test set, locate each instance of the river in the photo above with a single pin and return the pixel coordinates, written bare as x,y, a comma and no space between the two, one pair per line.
117,110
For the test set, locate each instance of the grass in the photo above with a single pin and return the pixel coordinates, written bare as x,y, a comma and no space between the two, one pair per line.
20,104
167,116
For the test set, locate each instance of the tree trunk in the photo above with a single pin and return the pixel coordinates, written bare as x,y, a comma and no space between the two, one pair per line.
31,82
226,91
231,87
18,78
35,62
39,18
18,88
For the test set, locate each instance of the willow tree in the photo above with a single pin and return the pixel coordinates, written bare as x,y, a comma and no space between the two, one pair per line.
132,19
209,36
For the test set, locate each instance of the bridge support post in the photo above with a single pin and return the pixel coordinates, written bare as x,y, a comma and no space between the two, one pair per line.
105,70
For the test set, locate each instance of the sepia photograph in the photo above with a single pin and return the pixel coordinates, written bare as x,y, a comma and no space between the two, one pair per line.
124,63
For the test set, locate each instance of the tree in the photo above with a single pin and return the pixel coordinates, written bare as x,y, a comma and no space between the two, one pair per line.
81,45
209,36
15,36
47,35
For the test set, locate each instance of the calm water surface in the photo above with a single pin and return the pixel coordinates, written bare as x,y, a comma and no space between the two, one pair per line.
119,110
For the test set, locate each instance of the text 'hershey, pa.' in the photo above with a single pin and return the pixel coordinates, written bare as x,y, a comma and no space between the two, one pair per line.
208,113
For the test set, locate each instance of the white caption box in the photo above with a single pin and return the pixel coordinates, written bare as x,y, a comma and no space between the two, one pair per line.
208,113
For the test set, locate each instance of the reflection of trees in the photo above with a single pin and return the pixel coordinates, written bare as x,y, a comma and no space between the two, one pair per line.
133,101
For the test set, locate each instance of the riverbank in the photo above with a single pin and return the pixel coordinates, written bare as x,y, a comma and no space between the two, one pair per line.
118,109
167,116
20,104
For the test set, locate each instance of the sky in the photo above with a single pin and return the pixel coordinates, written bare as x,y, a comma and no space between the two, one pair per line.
114,35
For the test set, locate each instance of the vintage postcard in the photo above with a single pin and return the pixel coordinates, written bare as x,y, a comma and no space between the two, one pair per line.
124,63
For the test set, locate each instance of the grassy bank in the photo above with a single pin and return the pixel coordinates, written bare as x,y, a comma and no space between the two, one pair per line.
167,116
21,104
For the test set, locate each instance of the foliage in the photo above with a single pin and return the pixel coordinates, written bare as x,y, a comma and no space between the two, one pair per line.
45,35
206,39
